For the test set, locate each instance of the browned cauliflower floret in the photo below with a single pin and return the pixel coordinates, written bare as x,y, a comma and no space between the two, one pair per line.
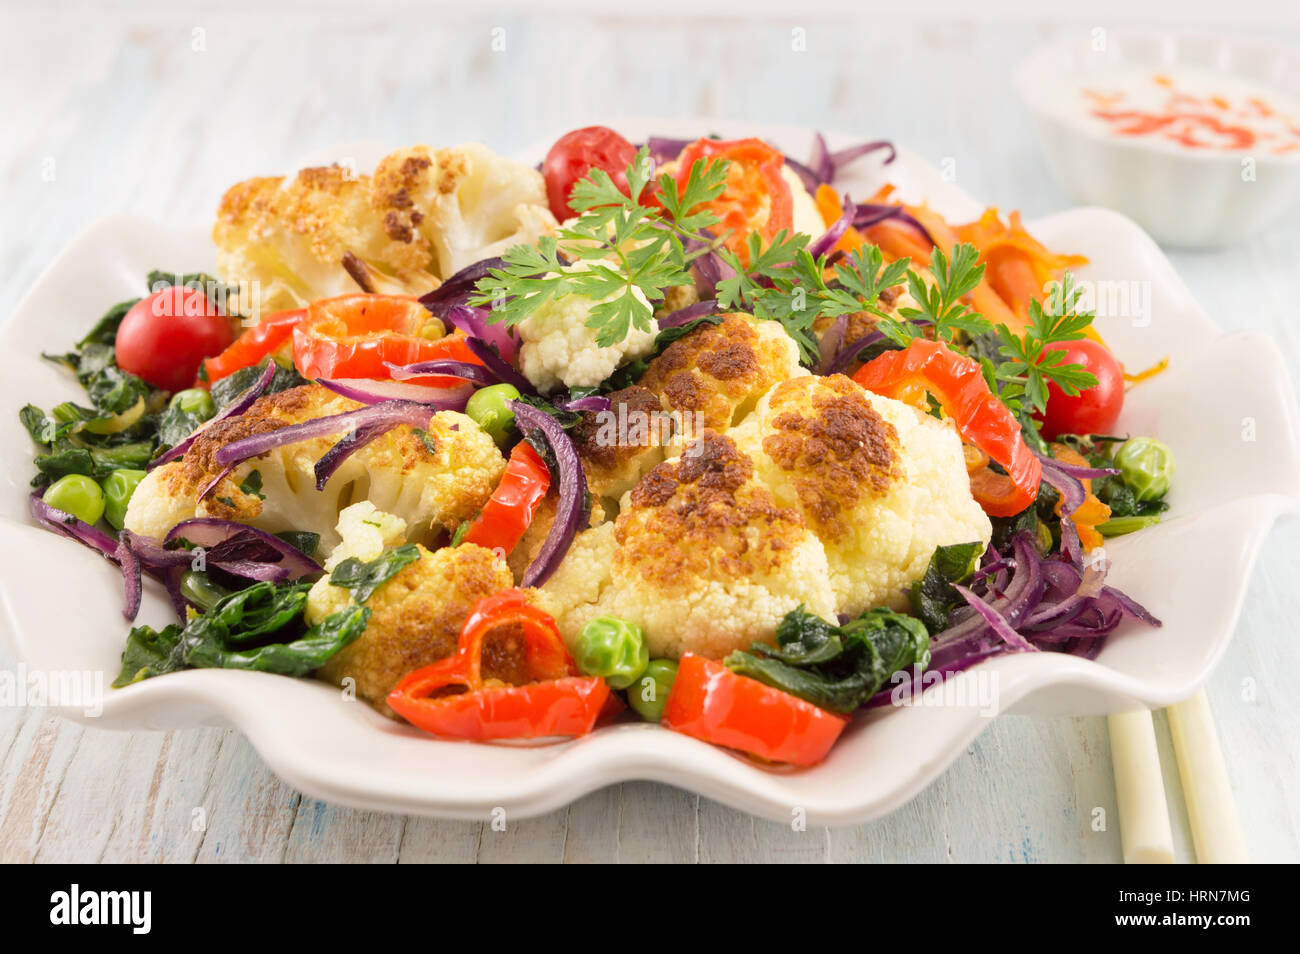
328,231
416,616
701,556
620,446
715,374
879,482
433,482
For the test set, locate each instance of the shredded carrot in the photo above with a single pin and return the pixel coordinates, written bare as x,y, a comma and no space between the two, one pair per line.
1092,511
1150,372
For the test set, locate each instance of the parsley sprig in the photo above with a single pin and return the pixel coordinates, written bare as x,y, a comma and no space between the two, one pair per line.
629,248
1028,362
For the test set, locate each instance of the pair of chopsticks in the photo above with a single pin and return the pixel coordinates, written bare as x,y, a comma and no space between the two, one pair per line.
1140,790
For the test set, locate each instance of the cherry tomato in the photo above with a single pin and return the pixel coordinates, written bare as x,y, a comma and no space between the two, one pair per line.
165,337
577,153
1092,411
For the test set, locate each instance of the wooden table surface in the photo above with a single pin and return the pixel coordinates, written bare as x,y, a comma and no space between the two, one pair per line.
154,112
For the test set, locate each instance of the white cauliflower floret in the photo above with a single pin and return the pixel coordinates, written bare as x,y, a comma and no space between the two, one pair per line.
365,532
558,348
421,217
806,216
879,482
701,556
432,481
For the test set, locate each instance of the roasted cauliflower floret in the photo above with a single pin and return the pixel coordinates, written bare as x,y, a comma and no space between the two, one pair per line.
467,202
701,556
619,446
557,347
415,617
715,374
880,483
424,215
433,481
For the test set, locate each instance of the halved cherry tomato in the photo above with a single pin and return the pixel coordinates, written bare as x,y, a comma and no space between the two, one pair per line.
575,154
267,337
357,336
163,338
711,703
513,504
756,197
557,701
1093,410
958,384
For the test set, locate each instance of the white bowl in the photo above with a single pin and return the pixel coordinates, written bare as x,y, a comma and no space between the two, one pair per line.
1186,198
60,604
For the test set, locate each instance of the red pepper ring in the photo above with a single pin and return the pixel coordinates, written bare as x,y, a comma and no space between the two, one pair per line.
958,384
556,703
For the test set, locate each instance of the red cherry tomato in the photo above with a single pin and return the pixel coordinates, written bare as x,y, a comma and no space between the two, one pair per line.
165,337
577,153
1094,410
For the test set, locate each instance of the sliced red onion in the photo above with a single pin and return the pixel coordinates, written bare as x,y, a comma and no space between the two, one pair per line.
836,230
997,622
475,373
130,567
1072,492
172,581
663,149
348,445
62,522
371,391
871,213
592,402
844,157
806,175
571,510
235,408
243,550
1131,606
212,484
476,324
849,353
828,349
153,555
500,368
684,315
819,160
410,413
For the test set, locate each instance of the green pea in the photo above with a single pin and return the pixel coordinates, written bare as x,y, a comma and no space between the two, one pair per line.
488,409
78,495
648,694
613,649
118,488
194,401
198,588
1147,466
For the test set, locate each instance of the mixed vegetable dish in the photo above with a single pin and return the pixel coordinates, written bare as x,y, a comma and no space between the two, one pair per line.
673,431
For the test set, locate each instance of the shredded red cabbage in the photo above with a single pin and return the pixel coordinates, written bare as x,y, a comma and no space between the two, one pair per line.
683,315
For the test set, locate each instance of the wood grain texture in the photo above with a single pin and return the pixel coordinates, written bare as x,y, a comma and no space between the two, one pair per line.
156,110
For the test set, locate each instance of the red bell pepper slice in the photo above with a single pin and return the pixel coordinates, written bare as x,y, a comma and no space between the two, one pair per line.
358,336
711,703
756,198
513,504
557,702
957,383
264,338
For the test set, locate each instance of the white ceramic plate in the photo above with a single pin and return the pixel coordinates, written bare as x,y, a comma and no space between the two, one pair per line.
1226,406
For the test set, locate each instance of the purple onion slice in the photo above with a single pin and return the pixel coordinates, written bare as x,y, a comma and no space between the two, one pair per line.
500,368
828,349
371,391
996,621
570,511
235,408
592,402
843,157
683,315
836,230
410,413
475,373
243,550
